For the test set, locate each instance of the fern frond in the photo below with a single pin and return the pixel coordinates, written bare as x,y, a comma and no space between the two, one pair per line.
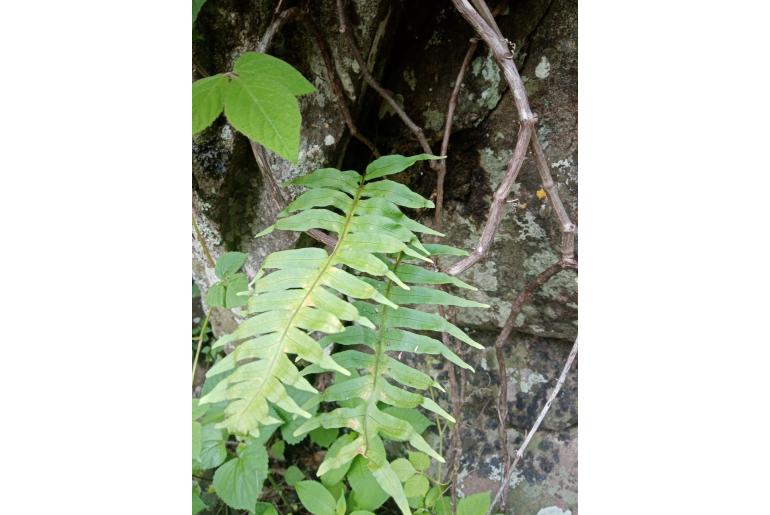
300,295
384,376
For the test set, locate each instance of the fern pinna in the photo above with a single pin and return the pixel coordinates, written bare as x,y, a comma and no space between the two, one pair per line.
302,295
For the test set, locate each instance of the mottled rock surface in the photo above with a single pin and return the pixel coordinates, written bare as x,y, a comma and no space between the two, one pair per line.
416,47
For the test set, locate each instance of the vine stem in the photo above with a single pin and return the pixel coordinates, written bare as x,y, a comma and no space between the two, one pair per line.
450,113
536,425
202,242
200,342
502,400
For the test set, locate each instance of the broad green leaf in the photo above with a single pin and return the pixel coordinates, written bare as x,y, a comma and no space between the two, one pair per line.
196,7
420,461
416,486
387,165
207,100
236,284
213,447
266,114
367,491
198,410
403,469
196,440
324,437
475,504
341,507
229,263
265,508
276,450
281,73
215,297
361,512
293,475
316,498
433,495
197,503
239,481
444,506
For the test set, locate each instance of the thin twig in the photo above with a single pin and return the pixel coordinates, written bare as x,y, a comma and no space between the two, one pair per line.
536,425
450,113
495,213
502,400
336,83
499,47
416,130
272,30
202,243
567,227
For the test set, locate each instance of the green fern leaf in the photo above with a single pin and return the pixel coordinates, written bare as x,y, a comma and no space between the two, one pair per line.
301,293
374,388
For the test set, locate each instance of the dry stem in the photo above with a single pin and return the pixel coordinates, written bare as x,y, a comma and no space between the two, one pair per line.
416,130
502,400
535,426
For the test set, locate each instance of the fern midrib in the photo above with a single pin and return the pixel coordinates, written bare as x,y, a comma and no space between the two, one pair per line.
309,291
380,350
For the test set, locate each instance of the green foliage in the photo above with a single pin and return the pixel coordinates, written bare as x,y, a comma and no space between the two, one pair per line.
365,300
293,475
196,7
316,498
258,98
239,481
475,504
197,503
227,293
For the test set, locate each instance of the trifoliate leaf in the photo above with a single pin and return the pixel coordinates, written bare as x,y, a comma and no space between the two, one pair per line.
229,263
265,113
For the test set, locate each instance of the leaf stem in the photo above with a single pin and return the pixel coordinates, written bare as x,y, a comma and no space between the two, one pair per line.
200,340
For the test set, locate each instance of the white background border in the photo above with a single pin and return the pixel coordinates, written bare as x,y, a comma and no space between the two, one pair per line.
673,232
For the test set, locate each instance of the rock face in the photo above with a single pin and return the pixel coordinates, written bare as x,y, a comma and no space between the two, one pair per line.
416,47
